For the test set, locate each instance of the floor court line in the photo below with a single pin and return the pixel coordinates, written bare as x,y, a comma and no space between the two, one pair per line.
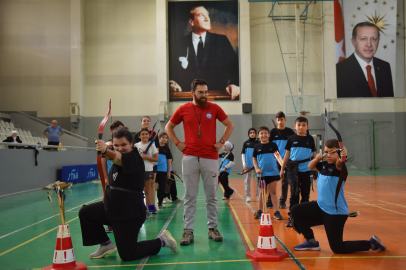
245,260
298,263
145,259
393,204
45,219
382,208
32,239
251,247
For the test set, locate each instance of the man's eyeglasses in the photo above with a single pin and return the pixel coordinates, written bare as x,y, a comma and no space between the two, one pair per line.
203,93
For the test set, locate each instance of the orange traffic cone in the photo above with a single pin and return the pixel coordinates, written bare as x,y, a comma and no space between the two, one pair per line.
266,248
64,258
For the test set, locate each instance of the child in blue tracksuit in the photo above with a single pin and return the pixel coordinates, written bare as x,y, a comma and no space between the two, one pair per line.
164,167
300,149
267,169
246,153
325,211
226,165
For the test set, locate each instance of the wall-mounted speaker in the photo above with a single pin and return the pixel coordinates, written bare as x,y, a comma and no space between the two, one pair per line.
247,107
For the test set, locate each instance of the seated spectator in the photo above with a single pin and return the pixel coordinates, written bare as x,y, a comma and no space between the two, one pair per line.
13,139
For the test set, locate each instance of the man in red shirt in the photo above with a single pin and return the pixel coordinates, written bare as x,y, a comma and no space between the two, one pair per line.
200,155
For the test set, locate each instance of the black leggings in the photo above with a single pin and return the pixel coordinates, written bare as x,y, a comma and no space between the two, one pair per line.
304,185
161,180
92,218
307,215
224,182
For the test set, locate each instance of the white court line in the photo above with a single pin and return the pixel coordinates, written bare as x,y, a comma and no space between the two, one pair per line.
45,219
25,191
145,259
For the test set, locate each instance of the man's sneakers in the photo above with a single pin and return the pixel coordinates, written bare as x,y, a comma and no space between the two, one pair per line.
225,198
147,214
168,240
289,222
277,215
109,229
248,199
308,246
166,200
187,238
258,214
378,245
215,235
103,251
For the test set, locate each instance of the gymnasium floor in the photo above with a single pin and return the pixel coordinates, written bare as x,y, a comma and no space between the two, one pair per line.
28,230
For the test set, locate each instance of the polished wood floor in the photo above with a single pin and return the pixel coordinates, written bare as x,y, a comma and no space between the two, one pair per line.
28,230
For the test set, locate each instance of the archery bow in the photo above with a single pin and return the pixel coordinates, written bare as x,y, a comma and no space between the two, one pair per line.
152,130
99,155
343,172
151,142
246,171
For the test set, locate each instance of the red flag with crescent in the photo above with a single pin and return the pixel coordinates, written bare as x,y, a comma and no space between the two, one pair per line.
339,31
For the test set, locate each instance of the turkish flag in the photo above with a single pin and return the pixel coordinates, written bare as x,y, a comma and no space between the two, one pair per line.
339,31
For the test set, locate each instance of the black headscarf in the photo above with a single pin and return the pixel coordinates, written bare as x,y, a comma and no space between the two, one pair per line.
252,139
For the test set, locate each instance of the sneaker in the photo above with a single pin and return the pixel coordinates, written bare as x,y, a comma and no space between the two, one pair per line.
308,246
187,238
289,223
269,206
232,195
177,200
109,229
152,208
215,235
378,243
277,215
160,206
248,199
103,251
166,200
224,198
258,214
169,241
147,214
282,205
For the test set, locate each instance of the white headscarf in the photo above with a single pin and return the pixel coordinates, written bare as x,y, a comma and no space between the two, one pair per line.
228,146
12,132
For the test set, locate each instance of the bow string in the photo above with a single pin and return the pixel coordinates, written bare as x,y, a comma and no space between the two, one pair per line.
343,172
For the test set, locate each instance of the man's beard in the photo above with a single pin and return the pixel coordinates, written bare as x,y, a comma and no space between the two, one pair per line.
201,101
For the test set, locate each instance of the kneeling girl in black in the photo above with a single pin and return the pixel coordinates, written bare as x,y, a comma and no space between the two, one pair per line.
123,207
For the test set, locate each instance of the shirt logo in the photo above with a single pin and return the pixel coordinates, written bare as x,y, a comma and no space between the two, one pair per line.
276,136
294,142
115,176
208,115
259,150
331,169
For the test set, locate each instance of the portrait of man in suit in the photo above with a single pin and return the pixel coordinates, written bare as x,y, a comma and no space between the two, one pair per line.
202,54
362,74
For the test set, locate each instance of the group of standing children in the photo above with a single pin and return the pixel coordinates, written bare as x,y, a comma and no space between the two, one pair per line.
299,158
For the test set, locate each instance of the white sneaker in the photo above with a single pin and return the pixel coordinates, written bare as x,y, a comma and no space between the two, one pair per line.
248,199
224,198
170,242
232,195
103,251
166,200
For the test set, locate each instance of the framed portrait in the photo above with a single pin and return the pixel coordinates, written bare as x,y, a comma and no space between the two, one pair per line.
204,44
369,49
